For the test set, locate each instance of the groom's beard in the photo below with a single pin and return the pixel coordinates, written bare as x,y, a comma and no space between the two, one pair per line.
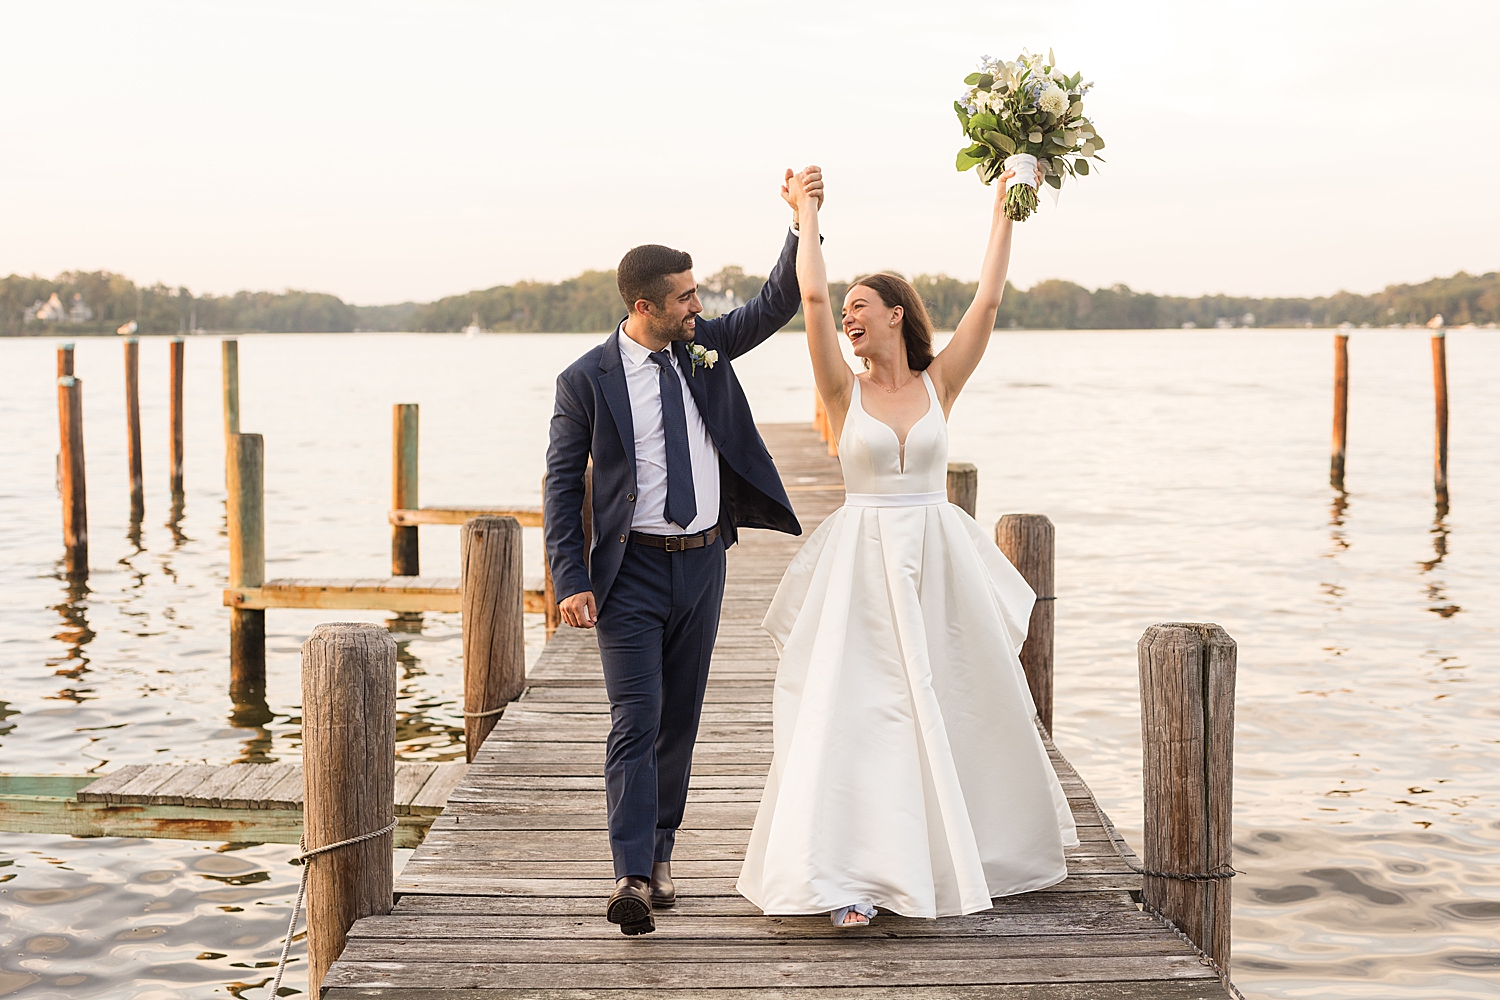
676,331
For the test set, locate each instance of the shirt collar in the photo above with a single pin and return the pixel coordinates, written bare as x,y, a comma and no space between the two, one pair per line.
636,354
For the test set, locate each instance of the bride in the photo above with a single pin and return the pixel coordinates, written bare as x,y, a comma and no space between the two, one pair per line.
908,773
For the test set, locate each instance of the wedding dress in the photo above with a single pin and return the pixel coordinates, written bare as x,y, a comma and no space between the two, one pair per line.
907,771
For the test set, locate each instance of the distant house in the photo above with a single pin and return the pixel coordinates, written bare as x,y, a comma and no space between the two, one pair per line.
53,311
718,303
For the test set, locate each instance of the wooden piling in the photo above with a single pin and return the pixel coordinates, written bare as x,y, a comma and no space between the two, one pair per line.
64,360
1187,676
133,429
1340,408
245,481
493,624
963,486
175,414
231,367
70,472
348,781
405,560
1440,399
1029,542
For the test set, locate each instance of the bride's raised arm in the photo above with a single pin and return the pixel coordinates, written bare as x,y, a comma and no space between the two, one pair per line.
953,366
831,372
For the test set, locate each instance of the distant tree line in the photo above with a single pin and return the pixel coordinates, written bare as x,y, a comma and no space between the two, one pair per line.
114,300
590,302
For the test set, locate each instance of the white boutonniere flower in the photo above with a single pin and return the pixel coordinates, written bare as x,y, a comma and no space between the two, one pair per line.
700,355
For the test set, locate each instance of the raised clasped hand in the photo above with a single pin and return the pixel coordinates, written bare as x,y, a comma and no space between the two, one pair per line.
799,186
1004,179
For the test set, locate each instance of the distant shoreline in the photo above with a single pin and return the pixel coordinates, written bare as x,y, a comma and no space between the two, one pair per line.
97,303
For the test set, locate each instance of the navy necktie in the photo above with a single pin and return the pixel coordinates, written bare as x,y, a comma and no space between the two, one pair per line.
682,501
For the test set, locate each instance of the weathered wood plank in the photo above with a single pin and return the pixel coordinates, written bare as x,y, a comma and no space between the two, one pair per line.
410,777
360,966
434,794
1180,989
529,517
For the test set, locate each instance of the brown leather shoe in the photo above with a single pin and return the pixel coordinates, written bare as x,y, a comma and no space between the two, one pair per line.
663,892
630,906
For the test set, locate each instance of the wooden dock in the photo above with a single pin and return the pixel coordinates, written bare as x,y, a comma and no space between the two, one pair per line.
244,803
505,898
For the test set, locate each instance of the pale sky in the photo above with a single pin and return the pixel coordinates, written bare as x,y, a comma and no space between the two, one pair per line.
388,151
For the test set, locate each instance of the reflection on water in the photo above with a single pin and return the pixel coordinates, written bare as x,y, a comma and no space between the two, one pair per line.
1187,477
75,634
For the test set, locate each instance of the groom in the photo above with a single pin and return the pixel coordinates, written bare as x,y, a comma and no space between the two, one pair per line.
678,466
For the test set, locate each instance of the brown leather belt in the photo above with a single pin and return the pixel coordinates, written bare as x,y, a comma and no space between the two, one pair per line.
676,543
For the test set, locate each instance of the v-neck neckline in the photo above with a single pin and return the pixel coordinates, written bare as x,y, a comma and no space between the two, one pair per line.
900,441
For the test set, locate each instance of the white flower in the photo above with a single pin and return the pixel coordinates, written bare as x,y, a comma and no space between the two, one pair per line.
1053,100
700,355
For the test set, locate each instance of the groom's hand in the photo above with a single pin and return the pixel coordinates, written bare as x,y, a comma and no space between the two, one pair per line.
810,180
579,610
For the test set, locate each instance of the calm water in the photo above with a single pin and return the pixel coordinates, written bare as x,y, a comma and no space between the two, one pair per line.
1187,475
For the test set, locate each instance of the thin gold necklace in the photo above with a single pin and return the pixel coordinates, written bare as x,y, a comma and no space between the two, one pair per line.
882,384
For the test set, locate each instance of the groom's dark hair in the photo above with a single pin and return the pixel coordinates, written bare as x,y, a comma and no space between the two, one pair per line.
643,271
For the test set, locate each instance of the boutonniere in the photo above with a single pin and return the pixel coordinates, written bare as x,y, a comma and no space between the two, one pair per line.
700,355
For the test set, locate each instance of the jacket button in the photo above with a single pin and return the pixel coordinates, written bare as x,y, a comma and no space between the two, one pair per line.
622,538
630,497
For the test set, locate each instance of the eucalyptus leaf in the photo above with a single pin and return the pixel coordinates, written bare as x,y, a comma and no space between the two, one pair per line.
985,81
971,79
1075,109
1034,137
1055,181
1081,167
1096,142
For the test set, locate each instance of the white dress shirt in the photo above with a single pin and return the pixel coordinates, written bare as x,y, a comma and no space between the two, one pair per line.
643,381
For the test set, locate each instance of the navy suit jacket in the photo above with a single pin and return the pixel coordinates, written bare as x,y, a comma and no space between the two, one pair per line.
592,418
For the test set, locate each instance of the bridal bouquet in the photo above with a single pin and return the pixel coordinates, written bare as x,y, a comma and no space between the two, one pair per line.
1022,115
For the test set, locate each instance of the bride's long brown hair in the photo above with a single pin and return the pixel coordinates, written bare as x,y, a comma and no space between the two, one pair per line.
916,325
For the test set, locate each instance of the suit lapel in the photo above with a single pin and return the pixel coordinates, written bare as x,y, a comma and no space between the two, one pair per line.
617,395
698,389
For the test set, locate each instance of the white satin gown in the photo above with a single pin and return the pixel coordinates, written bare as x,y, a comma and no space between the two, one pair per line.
908,772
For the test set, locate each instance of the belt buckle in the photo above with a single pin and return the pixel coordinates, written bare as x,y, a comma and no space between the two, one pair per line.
674,543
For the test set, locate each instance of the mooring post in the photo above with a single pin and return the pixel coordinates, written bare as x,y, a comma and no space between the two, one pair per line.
231,366
175,414
1440,399
348,781
405,560
70,473
133,429
64,360
963,486
493,623
1029,542
244,468
1187,745
1340,408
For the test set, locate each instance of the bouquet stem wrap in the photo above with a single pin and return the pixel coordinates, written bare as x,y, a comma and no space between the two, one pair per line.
1020,203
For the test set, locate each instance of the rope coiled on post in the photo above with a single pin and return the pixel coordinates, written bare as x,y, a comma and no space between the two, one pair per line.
1115,840
479,715
303,858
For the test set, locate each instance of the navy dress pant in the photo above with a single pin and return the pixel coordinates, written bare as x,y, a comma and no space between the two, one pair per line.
656,636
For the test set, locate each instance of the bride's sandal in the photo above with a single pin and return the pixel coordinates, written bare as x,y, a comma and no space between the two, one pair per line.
840,917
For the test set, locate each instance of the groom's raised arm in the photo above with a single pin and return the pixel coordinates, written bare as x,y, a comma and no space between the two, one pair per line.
567,460
747,327
779,298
